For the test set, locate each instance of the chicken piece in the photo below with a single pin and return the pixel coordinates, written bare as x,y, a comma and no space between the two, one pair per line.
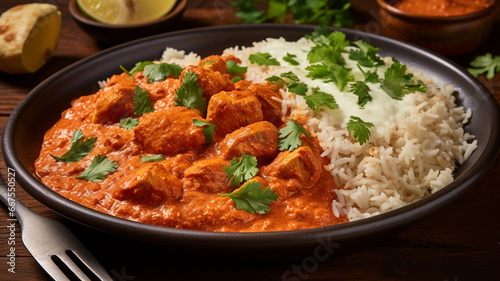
150,185
294,170
269,96
210,81
116,101
158,90
258,139
208,176
169,131
232,110
242,85
217,63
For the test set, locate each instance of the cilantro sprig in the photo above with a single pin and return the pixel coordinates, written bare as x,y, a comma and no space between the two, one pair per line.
190,94
79,148
360,128
129,123
100,167
335,73
139,66
208,129
292,83
486,63
366,55
360,89
290,135
397,83
161,71
242,169
252,198
319,98
143,103
263,59
234,68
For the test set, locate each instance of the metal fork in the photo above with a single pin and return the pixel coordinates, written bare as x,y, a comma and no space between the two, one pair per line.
53,245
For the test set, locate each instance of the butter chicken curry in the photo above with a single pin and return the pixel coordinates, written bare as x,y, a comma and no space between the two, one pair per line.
189,148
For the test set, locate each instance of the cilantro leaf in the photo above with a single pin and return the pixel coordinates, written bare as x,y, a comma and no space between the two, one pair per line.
370,77
294,86
361,90
263,59
237,78
289,135
360,128
398,83
142,102
129,123
366,55
207,131
161,71
233,68
290,58
79,148
319,98
152,158
137,68
100,167
241,170
485,64
252,198
335,73
326,54
190,94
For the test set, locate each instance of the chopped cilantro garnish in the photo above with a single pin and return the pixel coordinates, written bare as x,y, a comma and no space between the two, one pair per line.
79,148
161,71
241,170
152,158
361,90
233,68
337,74
289,136
486,63
237,78
319,98
100,167
263,59
294,86
370,77
398,83
290,58
142,102
208,129
366,55
326,54
252,198
129,123
360,128
190,94
137,68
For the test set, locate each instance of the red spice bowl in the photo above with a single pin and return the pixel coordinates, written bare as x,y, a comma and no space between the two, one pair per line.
447,29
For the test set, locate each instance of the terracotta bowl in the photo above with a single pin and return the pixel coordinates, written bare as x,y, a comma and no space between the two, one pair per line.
447,35
112,34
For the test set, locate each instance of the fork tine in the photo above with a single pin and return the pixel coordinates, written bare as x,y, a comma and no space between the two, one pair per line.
92,265
72,266
51,268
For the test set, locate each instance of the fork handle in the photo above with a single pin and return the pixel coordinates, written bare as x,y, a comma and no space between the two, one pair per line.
15,207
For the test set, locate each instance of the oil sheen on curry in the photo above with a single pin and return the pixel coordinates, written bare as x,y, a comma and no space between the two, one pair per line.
193,148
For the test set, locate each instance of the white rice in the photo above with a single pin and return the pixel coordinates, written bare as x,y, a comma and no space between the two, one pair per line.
408,159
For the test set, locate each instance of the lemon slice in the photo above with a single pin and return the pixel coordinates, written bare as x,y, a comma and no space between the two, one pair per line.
121,12
29,35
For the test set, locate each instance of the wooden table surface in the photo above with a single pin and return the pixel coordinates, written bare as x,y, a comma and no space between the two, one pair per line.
459,242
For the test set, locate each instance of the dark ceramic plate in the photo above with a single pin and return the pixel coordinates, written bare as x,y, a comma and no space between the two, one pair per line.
43,106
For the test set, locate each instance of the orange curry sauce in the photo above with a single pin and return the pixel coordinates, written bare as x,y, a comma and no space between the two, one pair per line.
183,190
442,8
